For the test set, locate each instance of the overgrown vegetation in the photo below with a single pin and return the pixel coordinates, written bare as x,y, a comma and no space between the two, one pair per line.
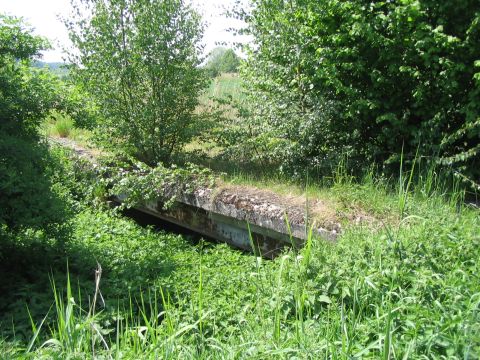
61,125
367,80
333,89
25,99
404,291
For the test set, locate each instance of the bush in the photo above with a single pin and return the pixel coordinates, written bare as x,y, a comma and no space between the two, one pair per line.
78,105
140,61
24,95
27,198
369,78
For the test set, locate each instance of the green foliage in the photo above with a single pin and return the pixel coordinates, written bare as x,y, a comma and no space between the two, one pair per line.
24,96
365,79
17,41
60,69
139,60
222,60
27,197
75,102
27,95
60,124
142,184
407,289
78,179
134,182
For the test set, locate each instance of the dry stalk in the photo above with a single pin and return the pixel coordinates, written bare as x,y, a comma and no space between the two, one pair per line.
91,312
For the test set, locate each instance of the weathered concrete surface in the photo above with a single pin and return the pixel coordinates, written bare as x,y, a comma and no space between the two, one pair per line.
261,208
240,218
227,214
266,243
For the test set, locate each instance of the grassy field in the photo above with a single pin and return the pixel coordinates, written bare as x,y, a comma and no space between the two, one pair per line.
223,86
406,290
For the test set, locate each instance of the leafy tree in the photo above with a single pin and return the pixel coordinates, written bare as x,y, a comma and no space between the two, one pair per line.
140,60
368,78
26,96
22,102
222,60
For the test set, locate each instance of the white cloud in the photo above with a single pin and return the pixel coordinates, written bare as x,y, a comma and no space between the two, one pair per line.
213,12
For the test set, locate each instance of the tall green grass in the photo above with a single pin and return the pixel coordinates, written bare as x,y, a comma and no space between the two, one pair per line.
406,290
63,126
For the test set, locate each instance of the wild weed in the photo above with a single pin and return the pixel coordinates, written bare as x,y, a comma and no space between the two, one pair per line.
64,127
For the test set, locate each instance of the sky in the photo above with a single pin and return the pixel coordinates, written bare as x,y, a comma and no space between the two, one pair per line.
43,16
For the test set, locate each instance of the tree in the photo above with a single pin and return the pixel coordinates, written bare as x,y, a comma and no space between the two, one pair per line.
222,60
140,60
23,100
369,78
26,96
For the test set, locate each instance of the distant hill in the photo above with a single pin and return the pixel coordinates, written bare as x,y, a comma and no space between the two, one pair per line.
58,68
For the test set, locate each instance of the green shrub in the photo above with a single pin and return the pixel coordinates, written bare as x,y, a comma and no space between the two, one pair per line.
368,79
28,195
27,198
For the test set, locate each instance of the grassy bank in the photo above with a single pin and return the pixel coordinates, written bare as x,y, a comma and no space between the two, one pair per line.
405,290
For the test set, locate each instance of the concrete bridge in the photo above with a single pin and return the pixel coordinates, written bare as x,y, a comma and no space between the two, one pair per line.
244,217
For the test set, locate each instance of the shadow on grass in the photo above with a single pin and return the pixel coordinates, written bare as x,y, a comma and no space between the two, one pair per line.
34,218
31,262
44,235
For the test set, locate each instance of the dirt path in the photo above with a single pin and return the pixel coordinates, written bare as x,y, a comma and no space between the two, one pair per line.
82,152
